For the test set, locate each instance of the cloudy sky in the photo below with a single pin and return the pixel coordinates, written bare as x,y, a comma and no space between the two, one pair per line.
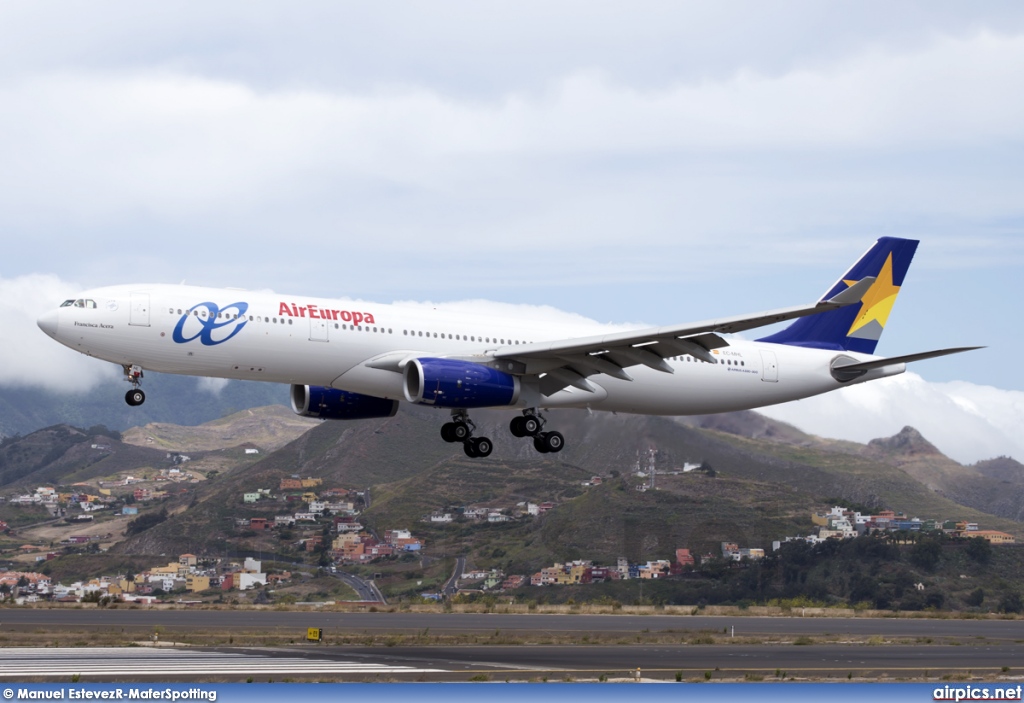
652,163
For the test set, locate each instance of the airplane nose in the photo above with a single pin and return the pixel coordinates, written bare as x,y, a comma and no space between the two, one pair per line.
48,322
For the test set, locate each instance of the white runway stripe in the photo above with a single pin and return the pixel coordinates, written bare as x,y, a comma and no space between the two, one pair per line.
101,661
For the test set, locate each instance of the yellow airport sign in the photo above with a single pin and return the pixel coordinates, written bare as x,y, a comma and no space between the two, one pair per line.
314,634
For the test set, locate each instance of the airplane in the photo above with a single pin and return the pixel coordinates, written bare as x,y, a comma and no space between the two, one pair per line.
350,360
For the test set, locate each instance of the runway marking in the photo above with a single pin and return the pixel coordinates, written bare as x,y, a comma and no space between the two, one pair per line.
111,661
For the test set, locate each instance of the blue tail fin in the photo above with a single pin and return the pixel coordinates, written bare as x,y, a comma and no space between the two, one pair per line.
856,327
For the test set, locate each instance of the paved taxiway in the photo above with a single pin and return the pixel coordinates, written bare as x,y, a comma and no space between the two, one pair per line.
398,622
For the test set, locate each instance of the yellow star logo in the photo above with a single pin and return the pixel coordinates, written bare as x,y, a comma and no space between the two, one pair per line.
876,304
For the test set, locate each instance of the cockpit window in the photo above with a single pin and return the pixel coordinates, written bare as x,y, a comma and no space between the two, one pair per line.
80,303
67,303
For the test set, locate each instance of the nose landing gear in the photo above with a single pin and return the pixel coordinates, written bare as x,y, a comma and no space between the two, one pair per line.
461,429
133,374
530,424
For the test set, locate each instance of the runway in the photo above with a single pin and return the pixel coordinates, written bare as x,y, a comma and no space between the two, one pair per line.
312,663
107,663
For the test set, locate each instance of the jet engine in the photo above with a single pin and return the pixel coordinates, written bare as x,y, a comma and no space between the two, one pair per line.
333,404
450,383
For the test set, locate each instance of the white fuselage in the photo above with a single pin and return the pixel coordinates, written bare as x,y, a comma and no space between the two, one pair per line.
262,336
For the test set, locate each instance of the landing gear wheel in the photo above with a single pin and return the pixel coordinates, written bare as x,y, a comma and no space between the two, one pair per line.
135,397
553,441
470,448
460,431
516,427
483,446
530,424
448,432
540,445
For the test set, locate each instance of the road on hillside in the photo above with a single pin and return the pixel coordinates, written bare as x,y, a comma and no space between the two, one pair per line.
965,631
450,587
366,590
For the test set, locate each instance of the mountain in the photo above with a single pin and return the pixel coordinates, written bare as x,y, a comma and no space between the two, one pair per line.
169,398
268,428
761,480
63,455
765,487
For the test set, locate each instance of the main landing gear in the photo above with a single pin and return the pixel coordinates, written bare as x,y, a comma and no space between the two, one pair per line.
530,424
461,429
133,374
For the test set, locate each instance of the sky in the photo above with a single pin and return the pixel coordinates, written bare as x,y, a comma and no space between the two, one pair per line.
649,163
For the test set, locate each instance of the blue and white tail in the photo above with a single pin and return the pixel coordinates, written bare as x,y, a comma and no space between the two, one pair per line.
856,327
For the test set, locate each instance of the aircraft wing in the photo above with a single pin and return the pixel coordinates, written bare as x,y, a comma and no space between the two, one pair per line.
568,362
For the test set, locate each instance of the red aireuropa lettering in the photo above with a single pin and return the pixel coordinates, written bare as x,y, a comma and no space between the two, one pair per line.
316,313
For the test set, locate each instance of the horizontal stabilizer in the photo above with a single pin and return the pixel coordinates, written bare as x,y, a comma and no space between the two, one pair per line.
843,371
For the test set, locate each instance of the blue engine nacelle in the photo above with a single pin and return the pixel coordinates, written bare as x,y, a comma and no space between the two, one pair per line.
449,383
332,404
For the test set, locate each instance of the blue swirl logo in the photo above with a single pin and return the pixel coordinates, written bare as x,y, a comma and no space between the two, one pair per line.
211,323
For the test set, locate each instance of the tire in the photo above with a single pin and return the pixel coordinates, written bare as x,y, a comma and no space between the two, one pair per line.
135,397
448,432
539,445
470,448
531,425
554,441
483,447
516,427
460,431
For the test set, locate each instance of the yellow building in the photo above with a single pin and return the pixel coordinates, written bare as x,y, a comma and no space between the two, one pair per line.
993,536
576,573
195,583
348,538
311,483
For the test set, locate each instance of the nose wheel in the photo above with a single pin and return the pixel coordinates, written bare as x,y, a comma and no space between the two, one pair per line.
530,424
133,374
135,397
461,429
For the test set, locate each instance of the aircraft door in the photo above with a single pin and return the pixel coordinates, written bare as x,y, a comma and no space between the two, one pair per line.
317,330
139,314
769,367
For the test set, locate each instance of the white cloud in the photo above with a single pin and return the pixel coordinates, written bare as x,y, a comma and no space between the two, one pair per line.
213,386
967,422
170,142
30,358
